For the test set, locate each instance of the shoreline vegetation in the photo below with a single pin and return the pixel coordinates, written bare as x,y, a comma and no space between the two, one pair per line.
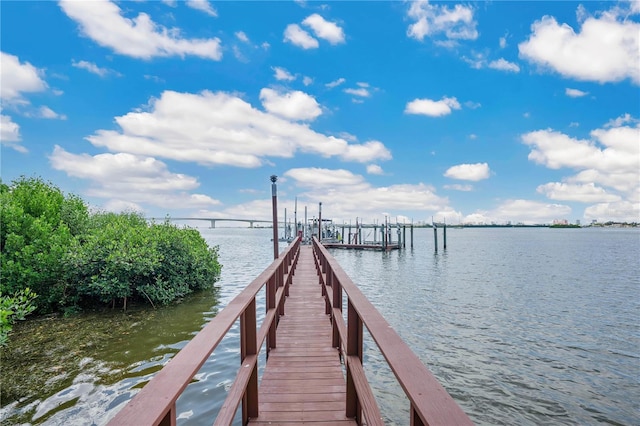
59,257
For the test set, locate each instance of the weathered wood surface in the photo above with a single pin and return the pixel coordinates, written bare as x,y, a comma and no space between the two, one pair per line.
303,381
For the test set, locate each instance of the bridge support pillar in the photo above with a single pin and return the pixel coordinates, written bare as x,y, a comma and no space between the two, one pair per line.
250,224
213,224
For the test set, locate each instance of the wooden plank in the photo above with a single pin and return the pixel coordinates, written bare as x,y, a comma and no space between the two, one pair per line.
303,380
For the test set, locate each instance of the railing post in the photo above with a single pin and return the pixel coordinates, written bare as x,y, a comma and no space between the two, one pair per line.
337,304
248,346
169,419
271,304
415,419
281,283
354,347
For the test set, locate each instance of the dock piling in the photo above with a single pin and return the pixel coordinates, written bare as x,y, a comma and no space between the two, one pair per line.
435,235
444,235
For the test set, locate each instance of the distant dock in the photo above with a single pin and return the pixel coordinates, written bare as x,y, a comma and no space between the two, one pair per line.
365,246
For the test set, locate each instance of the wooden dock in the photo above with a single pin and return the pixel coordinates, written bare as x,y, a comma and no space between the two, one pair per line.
364,246
303,379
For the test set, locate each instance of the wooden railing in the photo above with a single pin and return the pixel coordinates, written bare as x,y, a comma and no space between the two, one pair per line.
430,403
155,404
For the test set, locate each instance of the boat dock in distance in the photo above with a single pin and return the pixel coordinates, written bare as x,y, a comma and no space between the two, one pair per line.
382,237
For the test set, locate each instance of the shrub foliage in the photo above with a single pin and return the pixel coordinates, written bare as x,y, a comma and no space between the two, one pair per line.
72,259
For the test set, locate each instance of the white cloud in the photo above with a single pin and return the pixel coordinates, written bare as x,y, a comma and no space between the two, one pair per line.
345,195
94,69
335,83
283,74
622,211
324,29
140,37
46,112
575,93
307,80
525,211
472,172
203,6
623,119
472,105
295,105
605,49
455,23
374,169
315,177
607,165
432,108
9,131
299,37
586,193
362,92
218,128
503,42
18,78
557,150
504,65
240,35
459,187
131,179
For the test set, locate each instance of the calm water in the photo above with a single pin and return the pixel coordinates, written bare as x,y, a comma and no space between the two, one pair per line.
521,326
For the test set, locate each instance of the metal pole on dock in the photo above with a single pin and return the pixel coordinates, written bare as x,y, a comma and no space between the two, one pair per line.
274,203
304,227
320,221
295,217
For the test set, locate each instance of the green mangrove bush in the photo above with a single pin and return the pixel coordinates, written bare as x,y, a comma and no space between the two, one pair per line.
51,244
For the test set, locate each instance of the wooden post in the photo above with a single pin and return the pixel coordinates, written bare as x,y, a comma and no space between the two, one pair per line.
444,235
412,235
248,347
272,287
274,204
404,236
354,347
435,237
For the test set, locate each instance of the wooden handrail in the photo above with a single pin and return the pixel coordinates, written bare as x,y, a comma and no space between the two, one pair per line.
155,404
430,403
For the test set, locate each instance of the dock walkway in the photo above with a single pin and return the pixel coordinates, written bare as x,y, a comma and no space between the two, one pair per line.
303,379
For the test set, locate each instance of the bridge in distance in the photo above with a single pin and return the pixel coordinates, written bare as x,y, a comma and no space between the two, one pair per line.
213,221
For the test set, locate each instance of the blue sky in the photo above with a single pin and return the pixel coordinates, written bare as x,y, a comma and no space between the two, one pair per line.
470,112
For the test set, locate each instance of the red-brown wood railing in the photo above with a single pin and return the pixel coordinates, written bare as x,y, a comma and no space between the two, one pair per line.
155,404
430,403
